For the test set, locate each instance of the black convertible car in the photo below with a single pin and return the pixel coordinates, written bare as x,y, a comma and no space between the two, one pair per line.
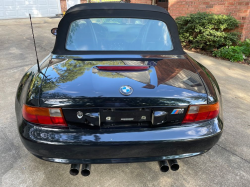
116,88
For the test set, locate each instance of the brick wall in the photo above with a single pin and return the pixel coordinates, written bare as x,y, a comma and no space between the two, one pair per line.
240,9
246,26
64,4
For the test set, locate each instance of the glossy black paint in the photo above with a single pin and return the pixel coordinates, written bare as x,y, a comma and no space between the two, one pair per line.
210,83
29,88
77,83
108,146
71,81
69,146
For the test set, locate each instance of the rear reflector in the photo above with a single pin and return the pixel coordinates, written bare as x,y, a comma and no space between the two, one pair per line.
122,68
201,112
45,116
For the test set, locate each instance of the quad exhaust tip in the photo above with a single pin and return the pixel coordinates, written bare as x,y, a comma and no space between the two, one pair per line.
165,164
164,167
85,170
173,164
74,169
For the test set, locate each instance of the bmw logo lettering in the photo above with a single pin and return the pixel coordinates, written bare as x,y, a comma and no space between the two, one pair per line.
126,90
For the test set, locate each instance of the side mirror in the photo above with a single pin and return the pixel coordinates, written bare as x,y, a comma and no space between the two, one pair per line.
54,31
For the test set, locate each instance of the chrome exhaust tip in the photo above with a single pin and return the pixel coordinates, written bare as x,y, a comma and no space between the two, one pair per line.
74,169
85,170
163,166
173,164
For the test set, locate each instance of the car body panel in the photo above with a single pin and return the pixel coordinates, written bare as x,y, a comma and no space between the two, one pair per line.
114,146
185,140
166,81
71,81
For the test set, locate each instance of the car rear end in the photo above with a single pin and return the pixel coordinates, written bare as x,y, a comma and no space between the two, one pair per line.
144,126
118,88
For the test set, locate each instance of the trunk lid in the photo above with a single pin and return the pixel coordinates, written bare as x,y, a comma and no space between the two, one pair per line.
92,98
167,82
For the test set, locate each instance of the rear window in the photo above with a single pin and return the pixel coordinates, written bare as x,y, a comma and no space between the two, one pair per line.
118,34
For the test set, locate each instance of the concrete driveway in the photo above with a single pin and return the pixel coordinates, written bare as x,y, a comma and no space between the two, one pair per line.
226,164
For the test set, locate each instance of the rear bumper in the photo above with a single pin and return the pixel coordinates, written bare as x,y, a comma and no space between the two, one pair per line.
116,146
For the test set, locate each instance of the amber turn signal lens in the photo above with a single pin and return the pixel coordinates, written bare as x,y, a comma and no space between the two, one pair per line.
201,112
45,116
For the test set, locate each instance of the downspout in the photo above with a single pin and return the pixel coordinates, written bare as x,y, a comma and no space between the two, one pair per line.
153,2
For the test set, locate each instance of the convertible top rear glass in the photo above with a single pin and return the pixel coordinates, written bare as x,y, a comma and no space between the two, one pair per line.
133,12
118,34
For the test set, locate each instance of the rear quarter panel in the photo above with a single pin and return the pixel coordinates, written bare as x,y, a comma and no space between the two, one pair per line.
210,83
28,89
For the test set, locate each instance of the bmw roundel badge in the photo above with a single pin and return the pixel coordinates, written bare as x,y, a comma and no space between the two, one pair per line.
126,90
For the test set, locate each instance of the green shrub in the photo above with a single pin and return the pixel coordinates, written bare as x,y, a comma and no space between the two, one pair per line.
207,31
245,47
232,53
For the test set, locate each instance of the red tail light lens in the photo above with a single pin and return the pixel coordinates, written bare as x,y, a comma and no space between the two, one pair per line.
201,112
122,68
45,116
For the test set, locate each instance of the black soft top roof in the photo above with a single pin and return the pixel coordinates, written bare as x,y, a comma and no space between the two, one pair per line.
115,6
115,10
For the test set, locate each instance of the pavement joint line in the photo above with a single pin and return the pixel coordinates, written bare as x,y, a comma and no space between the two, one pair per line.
233,153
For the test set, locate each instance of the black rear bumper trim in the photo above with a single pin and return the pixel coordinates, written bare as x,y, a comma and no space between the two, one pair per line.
113,146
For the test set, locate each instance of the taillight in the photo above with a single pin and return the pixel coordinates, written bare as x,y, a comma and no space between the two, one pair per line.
45,116
201,112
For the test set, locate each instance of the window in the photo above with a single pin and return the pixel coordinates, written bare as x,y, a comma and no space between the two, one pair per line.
118,34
